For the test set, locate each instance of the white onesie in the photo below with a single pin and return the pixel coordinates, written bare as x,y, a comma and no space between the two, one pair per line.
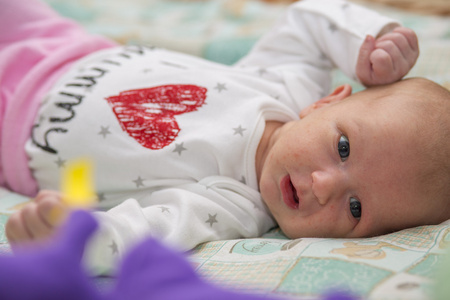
174,137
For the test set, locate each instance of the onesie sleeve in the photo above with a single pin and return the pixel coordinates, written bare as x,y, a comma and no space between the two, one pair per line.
182,217
314,37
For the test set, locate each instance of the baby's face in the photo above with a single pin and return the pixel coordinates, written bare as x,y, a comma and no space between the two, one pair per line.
346,170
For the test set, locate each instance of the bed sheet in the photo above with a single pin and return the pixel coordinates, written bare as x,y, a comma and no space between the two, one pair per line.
400,265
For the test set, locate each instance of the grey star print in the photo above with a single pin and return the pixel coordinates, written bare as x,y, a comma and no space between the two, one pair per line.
332,27
221,87
211,219
164,209
262,71
113,247
139,181
104,131
239,130
61,163
179,148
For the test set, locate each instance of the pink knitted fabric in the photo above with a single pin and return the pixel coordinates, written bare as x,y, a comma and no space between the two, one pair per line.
36,48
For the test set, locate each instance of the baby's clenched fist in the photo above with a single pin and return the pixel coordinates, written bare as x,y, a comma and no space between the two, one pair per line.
388,58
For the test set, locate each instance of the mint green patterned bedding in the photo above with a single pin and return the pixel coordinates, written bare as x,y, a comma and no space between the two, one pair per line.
400,265
220,30
395,266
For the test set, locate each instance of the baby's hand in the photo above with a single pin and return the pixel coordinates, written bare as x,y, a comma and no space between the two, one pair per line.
37,219
387,58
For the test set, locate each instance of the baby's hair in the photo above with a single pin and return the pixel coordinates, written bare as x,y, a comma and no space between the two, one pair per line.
432,109
427,107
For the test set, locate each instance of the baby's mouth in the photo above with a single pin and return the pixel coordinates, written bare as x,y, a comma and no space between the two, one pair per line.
289,193
294,191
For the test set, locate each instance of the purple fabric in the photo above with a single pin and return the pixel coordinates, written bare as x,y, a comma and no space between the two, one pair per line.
53,272
149,271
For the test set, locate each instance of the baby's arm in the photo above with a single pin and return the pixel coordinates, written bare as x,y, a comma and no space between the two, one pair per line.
182,216
37,219
387,58
313,38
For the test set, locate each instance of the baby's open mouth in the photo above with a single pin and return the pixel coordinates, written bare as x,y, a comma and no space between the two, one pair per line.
289,192
294,192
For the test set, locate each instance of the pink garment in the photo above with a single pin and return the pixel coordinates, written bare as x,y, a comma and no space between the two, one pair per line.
36,47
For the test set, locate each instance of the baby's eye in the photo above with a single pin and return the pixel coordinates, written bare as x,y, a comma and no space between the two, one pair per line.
343,147
355,208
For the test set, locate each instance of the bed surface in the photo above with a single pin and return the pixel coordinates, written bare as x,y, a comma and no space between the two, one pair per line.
400,265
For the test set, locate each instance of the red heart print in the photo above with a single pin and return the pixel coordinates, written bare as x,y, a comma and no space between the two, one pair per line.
148,115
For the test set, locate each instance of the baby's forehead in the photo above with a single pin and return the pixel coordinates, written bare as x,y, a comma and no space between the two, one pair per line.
413,91
389,100
385,119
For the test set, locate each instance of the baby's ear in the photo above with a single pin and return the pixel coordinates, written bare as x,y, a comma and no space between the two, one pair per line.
340,93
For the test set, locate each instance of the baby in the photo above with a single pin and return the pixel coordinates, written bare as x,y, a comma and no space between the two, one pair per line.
191,151
388,181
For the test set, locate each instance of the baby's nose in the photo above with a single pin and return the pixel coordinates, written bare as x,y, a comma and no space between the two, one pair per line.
328,184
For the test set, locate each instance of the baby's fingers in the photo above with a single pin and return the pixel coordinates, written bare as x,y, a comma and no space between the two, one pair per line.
388,60
36,220
410,36
364,65
15,229
412,51
51,209
396,43
35,224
